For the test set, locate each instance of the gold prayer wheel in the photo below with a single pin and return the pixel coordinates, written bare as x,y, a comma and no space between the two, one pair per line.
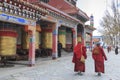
8,42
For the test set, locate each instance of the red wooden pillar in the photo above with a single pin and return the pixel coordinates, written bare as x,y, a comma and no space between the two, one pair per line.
31,48
54,47
74,37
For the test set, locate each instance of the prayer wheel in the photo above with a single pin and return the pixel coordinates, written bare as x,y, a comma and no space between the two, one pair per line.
62,37
37,40
8,39
47,38
25,41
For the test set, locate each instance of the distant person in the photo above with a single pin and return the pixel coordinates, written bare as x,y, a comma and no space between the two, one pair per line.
59,49
99,56
116,50
109,49
79,57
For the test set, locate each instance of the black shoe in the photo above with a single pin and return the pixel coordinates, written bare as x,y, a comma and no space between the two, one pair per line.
99,74
80,73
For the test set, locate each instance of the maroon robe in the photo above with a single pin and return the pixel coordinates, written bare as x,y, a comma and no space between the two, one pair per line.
78,51
99,59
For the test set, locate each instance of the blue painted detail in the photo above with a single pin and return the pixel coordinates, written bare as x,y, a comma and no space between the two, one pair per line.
21,20
60,21
31,40
54,32
14,19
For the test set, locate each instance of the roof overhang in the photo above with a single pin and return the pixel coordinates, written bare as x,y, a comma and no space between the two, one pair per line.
90,27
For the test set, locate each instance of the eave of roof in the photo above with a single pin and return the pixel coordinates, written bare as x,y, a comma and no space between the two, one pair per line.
49,7
68,8
90,27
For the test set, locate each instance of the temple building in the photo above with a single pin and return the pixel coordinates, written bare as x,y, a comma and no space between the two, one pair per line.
34,27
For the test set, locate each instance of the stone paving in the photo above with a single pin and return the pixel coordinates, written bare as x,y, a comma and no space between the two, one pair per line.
62,69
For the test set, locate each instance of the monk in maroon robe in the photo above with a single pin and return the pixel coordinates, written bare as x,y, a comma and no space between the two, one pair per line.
99,57
79,50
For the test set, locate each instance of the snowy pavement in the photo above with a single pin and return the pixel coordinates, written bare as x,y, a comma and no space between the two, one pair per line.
63,69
